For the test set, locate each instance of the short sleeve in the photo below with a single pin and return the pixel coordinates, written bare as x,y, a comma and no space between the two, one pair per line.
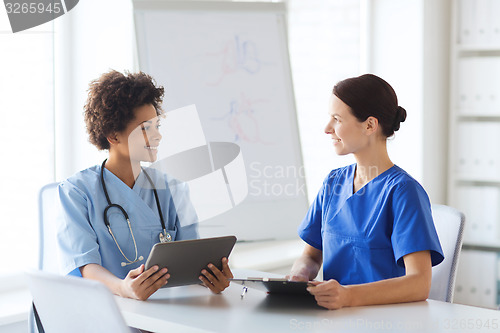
413,228
310,228
76,238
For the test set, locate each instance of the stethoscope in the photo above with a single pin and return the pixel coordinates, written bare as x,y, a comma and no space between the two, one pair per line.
164,236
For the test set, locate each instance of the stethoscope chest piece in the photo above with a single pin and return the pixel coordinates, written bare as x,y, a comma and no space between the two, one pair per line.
165,237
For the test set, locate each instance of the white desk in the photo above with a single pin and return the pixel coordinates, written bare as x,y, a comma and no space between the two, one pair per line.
196,309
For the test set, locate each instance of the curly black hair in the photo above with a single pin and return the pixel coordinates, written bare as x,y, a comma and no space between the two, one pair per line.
112,99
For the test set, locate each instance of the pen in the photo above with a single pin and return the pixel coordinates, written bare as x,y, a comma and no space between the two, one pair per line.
243,292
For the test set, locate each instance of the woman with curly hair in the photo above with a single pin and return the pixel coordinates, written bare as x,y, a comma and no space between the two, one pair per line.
141,205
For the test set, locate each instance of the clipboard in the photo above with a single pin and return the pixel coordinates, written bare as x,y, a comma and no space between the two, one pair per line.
187,258
275,285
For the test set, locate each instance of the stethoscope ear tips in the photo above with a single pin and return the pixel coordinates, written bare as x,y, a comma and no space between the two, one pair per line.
141,258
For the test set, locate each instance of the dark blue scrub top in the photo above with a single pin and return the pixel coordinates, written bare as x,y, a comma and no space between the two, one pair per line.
365,235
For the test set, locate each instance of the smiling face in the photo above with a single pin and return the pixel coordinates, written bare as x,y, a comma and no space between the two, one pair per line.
140,139
349,135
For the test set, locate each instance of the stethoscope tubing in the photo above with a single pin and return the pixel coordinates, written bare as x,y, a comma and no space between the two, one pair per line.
163,237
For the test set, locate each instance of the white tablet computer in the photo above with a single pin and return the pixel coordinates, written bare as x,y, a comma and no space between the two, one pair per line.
186,259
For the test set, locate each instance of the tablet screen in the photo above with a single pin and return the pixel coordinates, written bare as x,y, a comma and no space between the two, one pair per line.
186,259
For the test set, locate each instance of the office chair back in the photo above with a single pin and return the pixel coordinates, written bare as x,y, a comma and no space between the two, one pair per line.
71,304
48,259
449,224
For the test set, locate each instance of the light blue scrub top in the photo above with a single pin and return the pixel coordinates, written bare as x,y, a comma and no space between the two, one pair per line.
83,237
364,236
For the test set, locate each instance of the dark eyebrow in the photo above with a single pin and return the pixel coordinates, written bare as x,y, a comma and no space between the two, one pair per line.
147,121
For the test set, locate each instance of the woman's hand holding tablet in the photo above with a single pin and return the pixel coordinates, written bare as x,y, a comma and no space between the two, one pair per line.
192,261
217,280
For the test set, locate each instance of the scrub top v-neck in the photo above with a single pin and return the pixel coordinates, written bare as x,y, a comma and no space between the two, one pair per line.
83,237
365,235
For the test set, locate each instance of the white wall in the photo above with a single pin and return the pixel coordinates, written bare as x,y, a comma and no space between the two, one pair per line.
409,47
324,42
91,39
19,327
435,125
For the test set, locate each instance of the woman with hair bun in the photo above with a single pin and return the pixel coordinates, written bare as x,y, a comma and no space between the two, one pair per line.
371,224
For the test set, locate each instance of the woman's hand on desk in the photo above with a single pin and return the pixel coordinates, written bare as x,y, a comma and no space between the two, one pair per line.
217,281
140,284
330,294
